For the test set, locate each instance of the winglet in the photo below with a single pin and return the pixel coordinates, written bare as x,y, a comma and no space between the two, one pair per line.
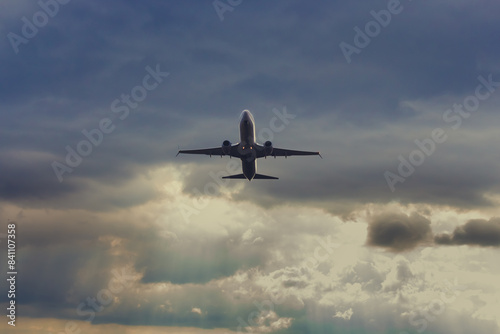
320,155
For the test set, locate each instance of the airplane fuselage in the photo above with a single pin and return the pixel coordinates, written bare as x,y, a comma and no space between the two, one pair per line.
246,146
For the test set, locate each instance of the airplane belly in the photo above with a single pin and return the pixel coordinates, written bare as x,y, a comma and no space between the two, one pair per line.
247,133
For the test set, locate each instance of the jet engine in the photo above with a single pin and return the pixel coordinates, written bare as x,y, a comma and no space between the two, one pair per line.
226,147
268,148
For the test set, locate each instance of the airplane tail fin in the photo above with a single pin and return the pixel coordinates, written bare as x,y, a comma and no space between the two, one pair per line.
257,176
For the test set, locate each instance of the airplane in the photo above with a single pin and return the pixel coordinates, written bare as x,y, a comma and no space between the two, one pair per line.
248,150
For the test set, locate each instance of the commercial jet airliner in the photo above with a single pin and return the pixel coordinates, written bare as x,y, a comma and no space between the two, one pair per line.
248,150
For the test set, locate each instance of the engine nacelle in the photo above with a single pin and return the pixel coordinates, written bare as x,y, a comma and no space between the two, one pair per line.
226,147
268,148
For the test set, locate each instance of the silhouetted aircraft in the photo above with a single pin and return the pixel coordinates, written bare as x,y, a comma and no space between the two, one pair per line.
248,150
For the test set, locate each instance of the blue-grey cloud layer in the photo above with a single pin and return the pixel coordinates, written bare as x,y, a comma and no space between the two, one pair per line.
260,57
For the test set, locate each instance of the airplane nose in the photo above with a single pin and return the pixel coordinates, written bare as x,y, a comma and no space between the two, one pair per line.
246,117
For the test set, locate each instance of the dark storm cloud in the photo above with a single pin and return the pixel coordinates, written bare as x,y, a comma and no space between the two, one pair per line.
65,78
399,232
26,176
28,179
479,232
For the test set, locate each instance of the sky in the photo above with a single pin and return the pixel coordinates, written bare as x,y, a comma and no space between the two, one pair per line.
396,230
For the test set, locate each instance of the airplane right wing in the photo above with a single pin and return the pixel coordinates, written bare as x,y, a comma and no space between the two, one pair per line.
282,152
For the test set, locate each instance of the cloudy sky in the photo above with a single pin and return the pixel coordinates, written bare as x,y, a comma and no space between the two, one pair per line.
396,230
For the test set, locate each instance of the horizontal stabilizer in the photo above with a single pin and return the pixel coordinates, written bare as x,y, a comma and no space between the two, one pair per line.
257,176
236,176
260,176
